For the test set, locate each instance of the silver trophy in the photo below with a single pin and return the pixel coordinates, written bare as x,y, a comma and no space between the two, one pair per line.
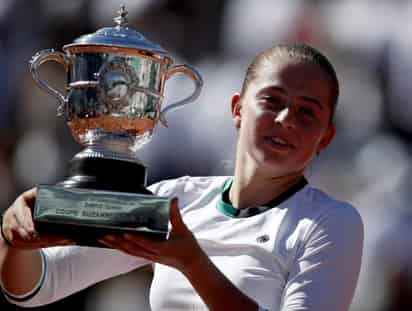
115,83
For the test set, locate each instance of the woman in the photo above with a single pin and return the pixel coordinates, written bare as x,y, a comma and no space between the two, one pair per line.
261,240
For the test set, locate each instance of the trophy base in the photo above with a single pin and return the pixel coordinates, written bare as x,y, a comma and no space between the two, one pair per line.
106,174
101,196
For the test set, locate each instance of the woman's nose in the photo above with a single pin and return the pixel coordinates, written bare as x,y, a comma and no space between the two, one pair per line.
285,117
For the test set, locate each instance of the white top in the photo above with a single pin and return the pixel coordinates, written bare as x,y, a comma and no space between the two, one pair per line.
303,254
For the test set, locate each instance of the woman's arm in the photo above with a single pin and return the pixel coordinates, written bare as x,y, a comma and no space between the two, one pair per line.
33,272
20,269
214,288
20,258
182,252
325,269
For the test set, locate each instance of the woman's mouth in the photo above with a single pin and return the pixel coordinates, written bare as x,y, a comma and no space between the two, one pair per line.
279,143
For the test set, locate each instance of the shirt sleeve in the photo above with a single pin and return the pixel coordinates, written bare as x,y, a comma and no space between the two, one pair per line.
69,269
325,269
167,187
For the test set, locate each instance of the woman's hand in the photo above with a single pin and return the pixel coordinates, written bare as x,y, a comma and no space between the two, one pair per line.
18,226
180,250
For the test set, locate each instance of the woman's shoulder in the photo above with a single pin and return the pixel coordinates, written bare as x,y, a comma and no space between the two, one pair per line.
317,220
323,200
321,207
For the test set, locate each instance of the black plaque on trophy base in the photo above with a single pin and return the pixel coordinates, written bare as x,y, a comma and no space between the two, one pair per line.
101,196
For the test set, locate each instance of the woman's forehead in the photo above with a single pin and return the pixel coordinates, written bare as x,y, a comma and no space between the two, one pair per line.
290,68
294,76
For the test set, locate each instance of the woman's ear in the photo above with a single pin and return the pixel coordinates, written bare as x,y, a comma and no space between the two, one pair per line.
327,137
236,110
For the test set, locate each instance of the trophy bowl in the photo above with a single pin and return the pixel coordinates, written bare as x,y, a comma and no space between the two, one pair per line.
115,88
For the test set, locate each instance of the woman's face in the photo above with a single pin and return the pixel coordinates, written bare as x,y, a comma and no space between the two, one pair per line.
284,117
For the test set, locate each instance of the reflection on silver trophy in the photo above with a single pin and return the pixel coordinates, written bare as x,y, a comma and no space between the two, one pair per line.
115,82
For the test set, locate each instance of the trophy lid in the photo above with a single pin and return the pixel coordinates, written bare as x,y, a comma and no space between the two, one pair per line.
118,36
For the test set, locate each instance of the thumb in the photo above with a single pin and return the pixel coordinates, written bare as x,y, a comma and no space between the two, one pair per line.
175,217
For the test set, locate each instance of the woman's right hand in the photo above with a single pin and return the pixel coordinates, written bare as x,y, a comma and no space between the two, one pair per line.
18,226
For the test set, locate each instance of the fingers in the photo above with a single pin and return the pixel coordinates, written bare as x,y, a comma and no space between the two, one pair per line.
12,229
175,217
127,246
17,220
23,214
18,226
149,244
29,197
7,229
22,209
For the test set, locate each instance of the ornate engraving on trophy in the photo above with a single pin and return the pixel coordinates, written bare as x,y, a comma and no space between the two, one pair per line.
117,83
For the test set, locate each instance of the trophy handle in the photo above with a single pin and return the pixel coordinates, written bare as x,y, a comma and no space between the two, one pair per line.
197,79
49,55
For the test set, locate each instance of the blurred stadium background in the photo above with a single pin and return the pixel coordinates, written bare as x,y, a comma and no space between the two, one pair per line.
368,164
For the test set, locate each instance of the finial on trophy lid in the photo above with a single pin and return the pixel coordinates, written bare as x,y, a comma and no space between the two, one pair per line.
121,19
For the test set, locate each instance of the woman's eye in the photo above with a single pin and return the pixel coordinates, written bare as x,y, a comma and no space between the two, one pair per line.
273,101
269,98
307,112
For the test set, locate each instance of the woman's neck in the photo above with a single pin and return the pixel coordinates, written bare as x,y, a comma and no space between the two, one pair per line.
252,188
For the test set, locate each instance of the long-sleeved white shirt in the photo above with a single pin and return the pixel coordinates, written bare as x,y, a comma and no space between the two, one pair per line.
302,254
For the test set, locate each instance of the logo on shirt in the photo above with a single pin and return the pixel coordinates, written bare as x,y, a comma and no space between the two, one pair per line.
263,238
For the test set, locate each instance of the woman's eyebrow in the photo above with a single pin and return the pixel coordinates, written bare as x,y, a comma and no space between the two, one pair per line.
311,100
273,88
284,92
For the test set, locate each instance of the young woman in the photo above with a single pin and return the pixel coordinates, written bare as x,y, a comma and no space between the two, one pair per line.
263,239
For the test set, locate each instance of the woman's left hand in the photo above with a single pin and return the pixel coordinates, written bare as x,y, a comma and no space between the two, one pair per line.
180,250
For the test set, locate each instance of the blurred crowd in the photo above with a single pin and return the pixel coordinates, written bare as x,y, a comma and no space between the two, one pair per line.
368,164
